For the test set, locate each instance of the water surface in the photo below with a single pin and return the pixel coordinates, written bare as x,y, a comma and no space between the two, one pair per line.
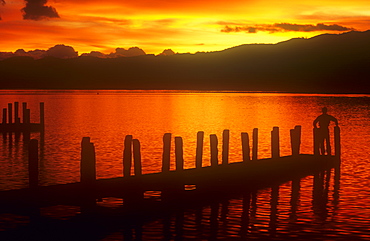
337,210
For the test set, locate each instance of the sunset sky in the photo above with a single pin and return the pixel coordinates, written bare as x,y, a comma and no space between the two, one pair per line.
183,26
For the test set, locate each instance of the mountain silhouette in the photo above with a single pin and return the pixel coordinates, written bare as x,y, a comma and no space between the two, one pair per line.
328,63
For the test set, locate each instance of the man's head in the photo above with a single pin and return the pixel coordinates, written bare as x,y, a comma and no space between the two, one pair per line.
324,110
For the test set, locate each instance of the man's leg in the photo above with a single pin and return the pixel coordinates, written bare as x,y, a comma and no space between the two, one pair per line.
328,147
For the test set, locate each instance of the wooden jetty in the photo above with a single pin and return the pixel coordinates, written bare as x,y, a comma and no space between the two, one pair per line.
12,122
177,190
176,187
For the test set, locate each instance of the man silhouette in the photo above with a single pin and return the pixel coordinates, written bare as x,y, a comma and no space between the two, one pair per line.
323,131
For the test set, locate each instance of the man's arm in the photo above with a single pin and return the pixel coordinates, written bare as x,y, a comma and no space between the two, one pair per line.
334,120
315,122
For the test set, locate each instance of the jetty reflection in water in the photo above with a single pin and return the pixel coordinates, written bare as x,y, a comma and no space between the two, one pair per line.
261,215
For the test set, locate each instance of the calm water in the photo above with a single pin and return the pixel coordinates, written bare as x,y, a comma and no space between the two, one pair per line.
328,208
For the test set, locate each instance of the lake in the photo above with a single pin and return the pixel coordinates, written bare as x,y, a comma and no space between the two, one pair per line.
337,209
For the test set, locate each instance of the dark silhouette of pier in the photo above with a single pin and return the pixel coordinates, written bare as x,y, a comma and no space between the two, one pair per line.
177,189
12,122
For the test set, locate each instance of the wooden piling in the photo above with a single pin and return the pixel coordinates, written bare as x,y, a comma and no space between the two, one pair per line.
295,140
88,162
137,157
4,115
24,110
245,147
10,113
199,151
298,131
225,147
316,142
337,141
255,144
166,152
28,116
127,156
42,116
33,163
214,150
179,153
275,146
16,113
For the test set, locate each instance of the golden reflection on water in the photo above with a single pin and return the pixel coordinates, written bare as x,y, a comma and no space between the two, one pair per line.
110,115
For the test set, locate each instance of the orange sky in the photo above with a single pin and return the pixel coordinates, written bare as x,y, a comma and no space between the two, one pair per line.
183,26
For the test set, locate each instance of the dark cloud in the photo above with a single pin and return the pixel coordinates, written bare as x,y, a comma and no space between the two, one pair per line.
310,27
35,54
2,2
95,54
167,52
36,10
62,51
285,27
131,52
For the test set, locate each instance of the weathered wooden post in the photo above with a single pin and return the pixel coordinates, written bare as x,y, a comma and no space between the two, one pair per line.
298,131
255,144
16,113
275,149
316,141
24,110
137,157
179,153
295,140
199,151
33,163
245,147
10,113
28,116
42,116
166,152
88,163
127,156
214,150
337,141
4,115
225,147
88,175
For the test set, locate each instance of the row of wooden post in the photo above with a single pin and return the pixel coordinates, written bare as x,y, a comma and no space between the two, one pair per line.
179,160
7,117
132,148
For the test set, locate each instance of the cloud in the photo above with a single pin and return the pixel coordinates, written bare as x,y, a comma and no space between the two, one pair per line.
35,54
62,51
96,54
36,10
2,2
131,52
167,52
285,27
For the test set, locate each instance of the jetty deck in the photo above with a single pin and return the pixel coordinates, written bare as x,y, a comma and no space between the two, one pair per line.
196,184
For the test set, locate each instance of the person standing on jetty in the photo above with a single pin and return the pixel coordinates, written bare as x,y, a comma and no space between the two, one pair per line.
323,130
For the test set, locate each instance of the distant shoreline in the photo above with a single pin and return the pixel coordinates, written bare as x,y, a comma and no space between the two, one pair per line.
119,91
326,64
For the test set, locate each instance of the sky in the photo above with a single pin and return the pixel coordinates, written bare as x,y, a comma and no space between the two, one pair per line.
183,26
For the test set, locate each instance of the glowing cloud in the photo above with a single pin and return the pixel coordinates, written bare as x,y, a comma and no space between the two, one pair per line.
286,27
